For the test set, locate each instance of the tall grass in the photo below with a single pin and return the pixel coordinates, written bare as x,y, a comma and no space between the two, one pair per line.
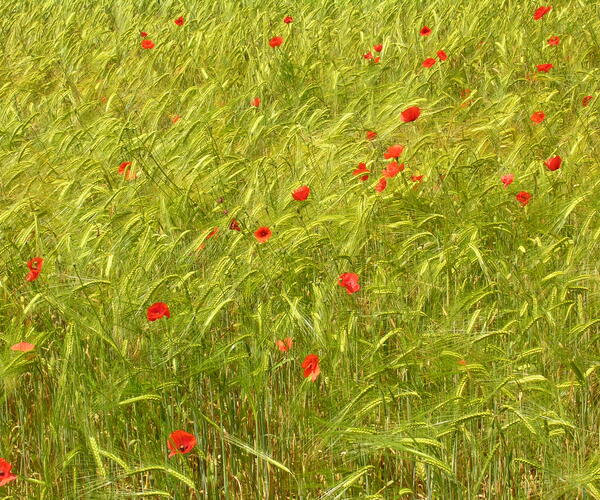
467,364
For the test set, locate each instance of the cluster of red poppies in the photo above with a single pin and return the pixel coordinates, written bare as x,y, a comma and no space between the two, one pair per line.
554,163
369,55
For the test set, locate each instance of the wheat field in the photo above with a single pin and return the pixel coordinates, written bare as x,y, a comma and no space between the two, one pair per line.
189,243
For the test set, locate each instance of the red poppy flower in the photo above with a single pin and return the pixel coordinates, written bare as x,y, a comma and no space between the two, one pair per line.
175,118
179,21
553,163
6,476
586,100
416,178
350,282
425,31
371,135
393,151
180,442
125,169
544,68
276,41
263,234
143,34
411,114
429,62
368,55
523,197
442,55
381,185
553,40
288,19
23,347
285,344
255,102
362,171
507,179
210,235
35,268
538,117
392,169
147,44
234,225
541,12
301,193
311,367
376,60
157,311
378,47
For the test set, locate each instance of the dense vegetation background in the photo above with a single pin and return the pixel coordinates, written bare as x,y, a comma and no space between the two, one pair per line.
466,366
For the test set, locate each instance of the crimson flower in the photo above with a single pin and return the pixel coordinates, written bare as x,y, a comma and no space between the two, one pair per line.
147,44
523,197
285,344
553,40
210,235
544,68
255,102
378,48
263,234
507,179
6,476
179,21
158,310
276,41
376,60
429,62
35,268
411,114
442,55
368,55
392,169
22,347
371,135
234,225
393,151
541,12
416,178
362,171
381,185
301,193
425,31
125,169
180,442
175,118
143,34
288,19
586,100
311,367
538,117
350,282
553,163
